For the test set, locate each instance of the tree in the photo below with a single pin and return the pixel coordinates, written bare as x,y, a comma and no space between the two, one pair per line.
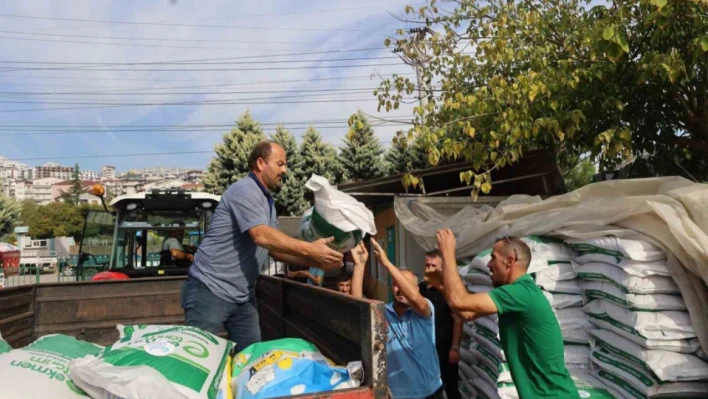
361,155
231,160
621,81
72,195
405,155
580,175
10,212
290,199
319,158
56,219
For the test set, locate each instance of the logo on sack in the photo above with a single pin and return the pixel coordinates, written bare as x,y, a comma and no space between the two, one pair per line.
159,348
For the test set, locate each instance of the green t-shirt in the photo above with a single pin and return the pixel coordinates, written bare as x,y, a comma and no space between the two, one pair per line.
532,341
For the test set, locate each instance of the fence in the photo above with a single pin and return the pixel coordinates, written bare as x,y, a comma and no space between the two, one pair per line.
19,275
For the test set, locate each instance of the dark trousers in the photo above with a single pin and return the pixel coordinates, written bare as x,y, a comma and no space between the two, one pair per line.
449,376
204,310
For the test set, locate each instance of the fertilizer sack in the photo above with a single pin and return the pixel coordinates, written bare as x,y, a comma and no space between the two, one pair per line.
41,369
637,302
667,366
489,340
561,301
574,325
478,277
287,367
4,346
626,282
618,247
556,271
544,250
632,267
631,380
571,287
576,356
590,387
337,215
156,362
667,330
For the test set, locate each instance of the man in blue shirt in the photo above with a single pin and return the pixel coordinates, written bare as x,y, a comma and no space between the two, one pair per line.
411,357
243,231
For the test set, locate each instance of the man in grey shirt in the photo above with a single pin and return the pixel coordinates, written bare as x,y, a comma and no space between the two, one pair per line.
242,232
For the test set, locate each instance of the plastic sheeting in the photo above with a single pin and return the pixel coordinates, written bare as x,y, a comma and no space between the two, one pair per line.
670,212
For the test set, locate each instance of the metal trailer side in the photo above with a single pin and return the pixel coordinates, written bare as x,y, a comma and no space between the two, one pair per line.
344,328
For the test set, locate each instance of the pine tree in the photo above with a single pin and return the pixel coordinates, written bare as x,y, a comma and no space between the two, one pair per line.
319,158
405,156
72,195
290,199
231,160
361,155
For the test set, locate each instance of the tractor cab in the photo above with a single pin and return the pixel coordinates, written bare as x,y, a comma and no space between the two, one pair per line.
134,238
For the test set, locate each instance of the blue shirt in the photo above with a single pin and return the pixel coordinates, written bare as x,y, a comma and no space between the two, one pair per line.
412,361
316,272
228,261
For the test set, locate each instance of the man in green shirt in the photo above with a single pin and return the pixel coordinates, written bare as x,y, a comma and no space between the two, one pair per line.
528,328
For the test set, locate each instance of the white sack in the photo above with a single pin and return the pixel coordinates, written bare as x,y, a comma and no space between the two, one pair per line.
667,366
478,277
466,390
490,322
490,341
507,391
633,267
669,212
574,325
636,302
504,374
467,356
556,271
544,251
481,354
640,380
562,287
477,288
627,283
466,370
618,247
665,330
486,373
590,387
577,356
561,301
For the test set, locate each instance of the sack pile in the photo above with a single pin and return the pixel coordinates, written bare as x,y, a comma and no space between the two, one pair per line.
643,344
484,372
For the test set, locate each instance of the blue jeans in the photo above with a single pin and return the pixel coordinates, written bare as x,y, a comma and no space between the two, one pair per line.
204,310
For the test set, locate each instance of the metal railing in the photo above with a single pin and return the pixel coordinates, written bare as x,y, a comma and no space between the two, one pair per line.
13,276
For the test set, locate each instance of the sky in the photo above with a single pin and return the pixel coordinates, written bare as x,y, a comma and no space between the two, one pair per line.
76,69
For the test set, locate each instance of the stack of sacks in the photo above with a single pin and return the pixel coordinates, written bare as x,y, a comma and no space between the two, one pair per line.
644,344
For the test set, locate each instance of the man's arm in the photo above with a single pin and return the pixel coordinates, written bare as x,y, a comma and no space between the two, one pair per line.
418,303
454,290
454,356
290,259
273,240
177,254
359,255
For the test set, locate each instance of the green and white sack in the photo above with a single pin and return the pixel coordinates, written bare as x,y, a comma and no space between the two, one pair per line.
335,214
636,302
41,369
618,247
478,277
633,267
466,389
4,346
590,387
477,288
466,370
467,355
669,330
480,353
504,374
507,391
486,373
556,271
574,325
156,362
626,282
632,380
571,287
544,250
577,356
562,301
490,322
489,340
481,261
667,366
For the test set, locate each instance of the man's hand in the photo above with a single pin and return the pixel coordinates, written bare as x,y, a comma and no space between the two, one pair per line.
380,254
454,356
446,242
360,255
434,278
324,256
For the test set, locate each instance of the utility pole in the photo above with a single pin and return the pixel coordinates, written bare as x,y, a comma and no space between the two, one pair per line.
416,56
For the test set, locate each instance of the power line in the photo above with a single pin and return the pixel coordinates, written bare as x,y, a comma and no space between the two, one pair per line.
190,125
211,69
185,25
198,62
26,93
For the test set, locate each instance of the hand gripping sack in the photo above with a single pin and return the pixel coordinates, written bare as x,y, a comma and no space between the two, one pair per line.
41,369
151,362
337,215
288,367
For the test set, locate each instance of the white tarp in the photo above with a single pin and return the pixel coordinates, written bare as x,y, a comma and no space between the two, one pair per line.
669,212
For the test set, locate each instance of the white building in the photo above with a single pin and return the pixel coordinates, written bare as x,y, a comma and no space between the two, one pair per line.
108,172
42,190
88,175
54,170
10,169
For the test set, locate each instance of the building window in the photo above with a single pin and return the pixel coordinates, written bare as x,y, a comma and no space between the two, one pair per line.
36,244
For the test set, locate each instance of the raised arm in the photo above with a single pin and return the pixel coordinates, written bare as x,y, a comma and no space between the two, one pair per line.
359,255
408,288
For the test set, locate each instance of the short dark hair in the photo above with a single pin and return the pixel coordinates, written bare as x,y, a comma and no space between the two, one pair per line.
521,251
261,150
434,253
344,277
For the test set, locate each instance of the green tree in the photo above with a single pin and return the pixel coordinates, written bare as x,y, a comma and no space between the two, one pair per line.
580,175
319,158
618,81
231,160
290,199
361,155
72,195
405,155
10,213
56,219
